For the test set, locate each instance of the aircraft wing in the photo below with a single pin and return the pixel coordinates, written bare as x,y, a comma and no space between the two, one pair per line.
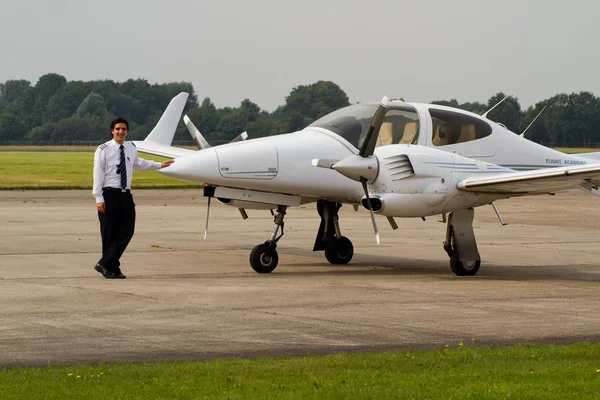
547,180
159,149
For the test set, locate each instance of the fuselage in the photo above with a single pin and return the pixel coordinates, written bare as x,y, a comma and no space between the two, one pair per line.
459,142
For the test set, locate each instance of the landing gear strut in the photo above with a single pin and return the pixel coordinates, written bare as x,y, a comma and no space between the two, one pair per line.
263,257
460,243
338,248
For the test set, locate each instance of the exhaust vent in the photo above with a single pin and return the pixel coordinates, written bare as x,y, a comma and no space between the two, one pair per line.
375,202
399,166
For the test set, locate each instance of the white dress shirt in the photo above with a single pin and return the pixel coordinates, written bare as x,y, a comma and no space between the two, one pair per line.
106,160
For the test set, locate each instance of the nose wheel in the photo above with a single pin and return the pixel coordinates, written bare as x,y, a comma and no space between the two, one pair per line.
264,258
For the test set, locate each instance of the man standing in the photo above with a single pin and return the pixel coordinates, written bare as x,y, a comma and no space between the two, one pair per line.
114,162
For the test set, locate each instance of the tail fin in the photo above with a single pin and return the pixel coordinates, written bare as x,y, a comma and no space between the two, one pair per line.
164,130
159,141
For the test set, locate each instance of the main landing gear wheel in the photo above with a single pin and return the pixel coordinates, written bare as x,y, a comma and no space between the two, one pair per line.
465,268
264,258
460,241
339,250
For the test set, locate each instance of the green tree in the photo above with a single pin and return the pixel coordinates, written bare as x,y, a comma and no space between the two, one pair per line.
251,110
205,118
537,132
583,128
14,90
508,113
307,103
11,128
233,121
451,103
92,106
63,104
49,84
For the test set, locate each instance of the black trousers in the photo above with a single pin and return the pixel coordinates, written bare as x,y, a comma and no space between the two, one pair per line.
117,225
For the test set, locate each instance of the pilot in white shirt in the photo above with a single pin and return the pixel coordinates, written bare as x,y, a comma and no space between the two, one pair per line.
114,162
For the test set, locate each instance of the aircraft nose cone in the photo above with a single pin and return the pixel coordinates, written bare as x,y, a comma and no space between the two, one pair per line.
200,167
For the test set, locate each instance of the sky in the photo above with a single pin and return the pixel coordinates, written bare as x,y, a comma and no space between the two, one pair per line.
420,50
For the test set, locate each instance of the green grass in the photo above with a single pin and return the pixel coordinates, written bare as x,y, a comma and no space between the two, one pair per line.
517,372
570,150
67,170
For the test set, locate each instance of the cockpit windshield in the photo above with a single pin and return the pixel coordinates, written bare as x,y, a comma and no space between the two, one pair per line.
400,124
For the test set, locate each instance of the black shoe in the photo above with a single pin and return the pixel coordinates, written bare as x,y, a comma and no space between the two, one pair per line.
114,275
99,268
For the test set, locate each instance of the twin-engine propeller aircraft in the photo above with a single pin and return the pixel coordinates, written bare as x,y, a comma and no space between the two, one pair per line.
394,158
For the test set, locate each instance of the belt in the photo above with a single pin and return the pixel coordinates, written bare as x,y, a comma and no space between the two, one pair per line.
110,189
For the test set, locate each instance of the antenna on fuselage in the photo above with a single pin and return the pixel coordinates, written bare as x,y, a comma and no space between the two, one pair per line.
536,117
484,115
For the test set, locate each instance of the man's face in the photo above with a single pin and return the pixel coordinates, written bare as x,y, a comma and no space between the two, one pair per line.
119,132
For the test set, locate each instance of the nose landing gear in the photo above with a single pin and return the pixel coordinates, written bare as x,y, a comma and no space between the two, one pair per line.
264,257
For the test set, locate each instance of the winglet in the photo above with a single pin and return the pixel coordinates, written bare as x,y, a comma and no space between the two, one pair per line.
164,130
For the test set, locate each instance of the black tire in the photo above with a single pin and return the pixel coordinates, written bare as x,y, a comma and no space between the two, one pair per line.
264,259
463,269
339,250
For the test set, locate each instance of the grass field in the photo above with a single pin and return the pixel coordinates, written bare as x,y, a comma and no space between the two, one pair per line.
67,170
457,372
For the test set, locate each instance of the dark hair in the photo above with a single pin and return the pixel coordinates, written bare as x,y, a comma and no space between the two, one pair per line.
118,120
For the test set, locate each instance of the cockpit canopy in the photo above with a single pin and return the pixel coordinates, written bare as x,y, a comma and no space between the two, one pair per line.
400,124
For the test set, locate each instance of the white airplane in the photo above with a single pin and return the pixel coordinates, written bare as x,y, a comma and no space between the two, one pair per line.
394,158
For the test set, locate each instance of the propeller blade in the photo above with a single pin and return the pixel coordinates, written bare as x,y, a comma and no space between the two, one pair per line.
241,136
364,185
207,215
201,143
368,145
323,163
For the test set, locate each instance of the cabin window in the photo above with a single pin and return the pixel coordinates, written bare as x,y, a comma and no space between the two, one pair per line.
399,127
451,127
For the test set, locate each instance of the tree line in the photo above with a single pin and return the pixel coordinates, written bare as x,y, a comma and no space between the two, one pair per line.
57,111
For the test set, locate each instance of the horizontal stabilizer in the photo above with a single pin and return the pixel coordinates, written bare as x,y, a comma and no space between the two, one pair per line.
150,147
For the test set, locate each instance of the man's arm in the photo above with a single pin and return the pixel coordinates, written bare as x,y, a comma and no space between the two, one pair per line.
99,164
148,165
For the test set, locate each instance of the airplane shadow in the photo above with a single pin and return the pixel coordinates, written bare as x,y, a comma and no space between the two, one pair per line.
367,264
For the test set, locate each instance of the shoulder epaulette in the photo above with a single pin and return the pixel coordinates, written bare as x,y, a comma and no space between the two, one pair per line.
133,144
102,146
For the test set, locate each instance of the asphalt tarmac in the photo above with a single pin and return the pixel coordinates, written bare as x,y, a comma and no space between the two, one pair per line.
186,298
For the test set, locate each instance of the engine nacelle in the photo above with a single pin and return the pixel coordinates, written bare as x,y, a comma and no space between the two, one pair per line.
248,205
404,205
413,181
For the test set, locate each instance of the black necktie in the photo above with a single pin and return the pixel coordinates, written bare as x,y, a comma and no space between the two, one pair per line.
123,169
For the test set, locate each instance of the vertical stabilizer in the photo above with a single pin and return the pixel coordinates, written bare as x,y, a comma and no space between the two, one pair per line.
164,130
